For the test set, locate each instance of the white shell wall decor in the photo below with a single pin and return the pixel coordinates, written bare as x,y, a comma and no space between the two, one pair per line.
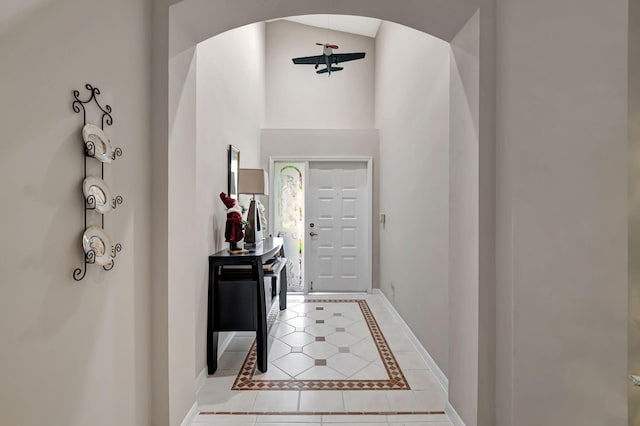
97,193
97,143
96,240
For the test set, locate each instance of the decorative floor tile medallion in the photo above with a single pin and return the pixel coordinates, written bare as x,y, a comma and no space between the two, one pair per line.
312,368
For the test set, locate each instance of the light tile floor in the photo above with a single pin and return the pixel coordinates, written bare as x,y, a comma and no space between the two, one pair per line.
315,344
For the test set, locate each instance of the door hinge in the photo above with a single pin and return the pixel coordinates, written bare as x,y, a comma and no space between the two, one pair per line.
310,285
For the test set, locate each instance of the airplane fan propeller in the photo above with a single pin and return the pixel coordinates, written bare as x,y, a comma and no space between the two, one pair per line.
332,46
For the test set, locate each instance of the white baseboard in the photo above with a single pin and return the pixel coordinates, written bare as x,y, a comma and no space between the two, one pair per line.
188,419
225,343
453,415
442,378
202,376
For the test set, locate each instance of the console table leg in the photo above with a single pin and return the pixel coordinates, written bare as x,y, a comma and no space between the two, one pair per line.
212,337
212,353
261,326
283,288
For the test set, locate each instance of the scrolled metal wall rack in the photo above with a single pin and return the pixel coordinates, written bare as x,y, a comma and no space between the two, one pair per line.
90,201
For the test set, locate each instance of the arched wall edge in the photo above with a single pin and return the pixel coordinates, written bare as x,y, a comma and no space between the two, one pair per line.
178,27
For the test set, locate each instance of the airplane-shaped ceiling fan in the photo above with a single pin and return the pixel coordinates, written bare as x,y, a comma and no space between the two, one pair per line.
328,58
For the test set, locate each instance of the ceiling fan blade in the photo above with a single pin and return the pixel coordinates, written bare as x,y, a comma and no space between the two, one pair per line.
333,46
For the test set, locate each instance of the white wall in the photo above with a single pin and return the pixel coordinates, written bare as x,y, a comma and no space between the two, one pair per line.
73,353
160,315
205,18
463,221
543,114
182,256
562,155
546,118
634,208
230,110
299,98
412,113
327,142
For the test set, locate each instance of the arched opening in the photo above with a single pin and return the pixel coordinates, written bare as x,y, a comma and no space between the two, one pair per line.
182,193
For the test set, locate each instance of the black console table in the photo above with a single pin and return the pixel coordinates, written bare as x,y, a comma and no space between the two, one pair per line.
238,300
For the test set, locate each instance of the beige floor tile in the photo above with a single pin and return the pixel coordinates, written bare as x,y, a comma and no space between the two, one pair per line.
371,372
287,314
400,400
213,401
339,321
240,344
272,373
413,418
365,349
287,420
422,380
231,420
360,330
282,329
298,339
359,360
343,339
399,343
355,422
222,380
354,315
347,364
303,308
334,420
277,349
319,315
241,401
410,361
300,322
430,400
275,401
294,363
323,330
366,401
320,350
288,424
321,401
320,373
231,360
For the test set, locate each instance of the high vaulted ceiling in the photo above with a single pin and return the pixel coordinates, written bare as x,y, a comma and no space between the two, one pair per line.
346,23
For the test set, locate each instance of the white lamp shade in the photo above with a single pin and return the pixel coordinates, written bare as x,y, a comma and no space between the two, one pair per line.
253,181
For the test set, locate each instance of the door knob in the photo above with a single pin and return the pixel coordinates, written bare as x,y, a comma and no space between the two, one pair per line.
312,234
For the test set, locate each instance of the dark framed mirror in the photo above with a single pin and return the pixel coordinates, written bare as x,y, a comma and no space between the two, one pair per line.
233,169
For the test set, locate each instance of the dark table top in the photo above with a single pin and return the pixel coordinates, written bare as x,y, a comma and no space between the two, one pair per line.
266,250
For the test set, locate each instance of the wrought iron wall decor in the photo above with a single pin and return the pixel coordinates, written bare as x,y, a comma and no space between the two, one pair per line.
99,153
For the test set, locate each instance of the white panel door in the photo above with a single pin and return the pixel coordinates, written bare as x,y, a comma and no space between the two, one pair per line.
337,223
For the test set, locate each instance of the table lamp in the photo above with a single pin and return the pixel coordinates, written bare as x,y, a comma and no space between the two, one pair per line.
253,182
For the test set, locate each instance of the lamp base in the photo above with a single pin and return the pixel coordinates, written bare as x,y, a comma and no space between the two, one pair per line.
253,246
253,233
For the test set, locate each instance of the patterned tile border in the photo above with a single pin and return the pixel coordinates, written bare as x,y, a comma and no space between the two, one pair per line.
323,413
246,381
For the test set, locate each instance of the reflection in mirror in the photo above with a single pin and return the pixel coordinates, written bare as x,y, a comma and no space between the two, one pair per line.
233,168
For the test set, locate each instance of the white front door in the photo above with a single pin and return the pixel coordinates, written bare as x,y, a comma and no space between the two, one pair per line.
337,226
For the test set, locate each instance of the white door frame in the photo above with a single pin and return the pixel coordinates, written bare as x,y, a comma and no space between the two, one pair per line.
329,159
